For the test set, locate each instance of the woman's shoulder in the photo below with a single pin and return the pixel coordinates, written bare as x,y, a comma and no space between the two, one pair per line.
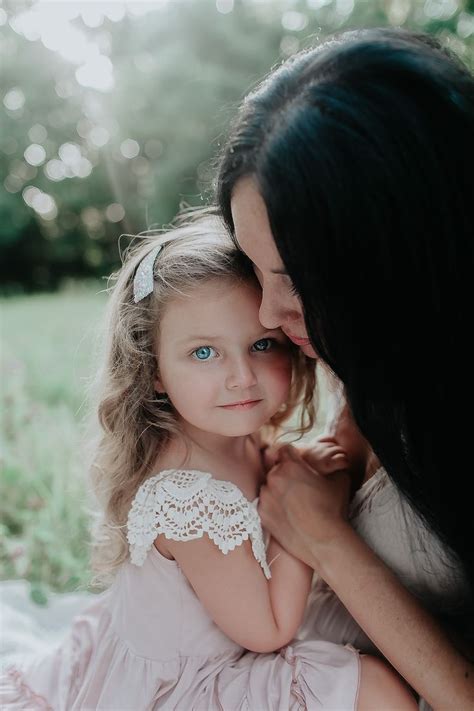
386,520
368,495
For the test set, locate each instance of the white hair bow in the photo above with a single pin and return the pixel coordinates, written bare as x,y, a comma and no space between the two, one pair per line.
143,280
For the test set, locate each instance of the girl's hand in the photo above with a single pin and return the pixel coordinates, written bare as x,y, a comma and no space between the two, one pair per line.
301,508
325,455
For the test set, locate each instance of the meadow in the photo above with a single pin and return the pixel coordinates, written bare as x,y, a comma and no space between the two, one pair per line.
48,363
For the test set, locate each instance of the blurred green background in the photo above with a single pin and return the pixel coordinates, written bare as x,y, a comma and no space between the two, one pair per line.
112,115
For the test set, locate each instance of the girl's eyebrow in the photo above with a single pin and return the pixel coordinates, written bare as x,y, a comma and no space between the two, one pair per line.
207,338
198,337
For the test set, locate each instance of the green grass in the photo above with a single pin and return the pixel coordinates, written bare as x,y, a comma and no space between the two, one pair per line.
48,345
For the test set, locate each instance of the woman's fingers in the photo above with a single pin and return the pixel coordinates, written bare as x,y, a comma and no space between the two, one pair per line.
273,455
327,439
270,456
299,507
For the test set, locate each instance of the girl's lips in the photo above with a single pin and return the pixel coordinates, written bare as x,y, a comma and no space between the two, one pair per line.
244,405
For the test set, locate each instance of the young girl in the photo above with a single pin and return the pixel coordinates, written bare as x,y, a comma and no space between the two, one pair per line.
191,379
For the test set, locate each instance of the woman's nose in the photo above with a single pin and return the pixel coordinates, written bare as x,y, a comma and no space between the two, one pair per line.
241,374
276,309
269,315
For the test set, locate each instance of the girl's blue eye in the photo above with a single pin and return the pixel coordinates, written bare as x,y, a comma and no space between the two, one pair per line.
203,353
262,345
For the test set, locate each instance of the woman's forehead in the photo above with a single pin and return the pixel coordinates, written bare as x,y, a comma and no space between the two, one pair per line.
252,227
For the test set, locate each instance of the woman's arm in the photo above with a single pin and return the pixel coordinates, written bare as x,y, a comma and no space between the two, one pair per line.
395,621
259,614
307,512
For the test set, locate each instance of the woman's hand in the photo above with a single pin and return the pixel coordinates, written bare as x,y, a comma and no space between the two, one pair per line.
301,508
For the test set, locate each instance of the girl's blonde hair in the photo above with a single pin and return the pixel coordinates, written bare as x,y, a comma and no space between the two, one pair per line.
136,422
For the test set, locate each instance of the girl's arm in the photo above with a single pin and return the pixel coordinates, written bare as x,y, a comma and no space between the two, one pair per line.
307,513
259,614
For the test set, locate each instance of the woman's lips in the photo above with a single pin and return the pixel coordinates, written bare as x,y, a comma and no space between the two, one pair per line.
298,341
242,405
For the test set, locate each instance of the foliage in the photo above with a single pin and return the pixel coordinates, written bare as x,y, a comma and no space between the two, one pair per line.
47,362
111,140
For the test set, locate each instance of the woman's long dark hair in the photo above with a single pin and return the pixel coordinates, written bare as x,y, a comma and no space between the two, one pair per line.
363,151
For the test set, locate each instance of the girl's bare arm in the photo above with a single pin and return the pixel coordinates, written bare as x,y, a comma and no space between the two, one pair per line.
259,614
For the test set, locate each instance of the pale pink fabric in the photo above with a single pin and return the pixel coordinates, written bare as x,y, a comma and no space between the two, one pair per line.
148,643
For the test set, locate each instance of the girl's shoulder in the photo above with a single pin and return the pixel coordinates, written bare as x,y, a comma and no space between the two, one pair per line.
185,504
181,484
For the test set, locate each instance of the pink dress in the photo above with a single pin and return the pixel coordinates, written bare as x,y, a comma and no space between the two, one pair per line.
148,643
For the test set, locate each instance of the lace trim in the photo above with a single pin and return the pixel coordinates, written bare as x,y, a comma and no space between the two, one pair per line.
185,505
26,693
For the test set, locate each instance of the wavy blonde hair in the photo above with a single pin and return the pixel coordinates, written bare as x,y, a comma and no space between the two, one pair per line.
135,422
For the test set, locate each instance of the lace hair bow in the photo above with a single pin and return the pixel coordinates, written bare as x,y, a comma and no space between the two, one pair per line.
143,280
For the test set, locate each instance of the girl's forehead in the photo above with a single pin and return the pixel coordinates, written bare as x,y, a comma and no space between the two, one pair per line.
213,308
212,289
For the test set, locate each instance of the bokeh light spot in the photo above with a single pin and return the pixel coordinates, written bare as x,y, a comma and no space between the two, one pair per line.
129,148
115,212
97,73
294,21
37,133
344,7
35,154
440,9
14,99
70,153
55,170
98,136
42,203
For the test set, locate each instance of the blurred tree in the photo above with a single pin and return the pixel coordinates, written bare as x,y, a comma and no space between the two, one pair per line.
111,117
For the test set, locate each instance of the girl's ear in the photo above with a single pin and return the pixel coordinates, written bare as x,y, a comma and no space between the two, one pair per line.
158,384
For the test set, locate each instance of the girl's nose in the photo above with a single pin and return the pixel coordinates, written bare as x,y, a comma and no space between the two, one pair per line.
240,374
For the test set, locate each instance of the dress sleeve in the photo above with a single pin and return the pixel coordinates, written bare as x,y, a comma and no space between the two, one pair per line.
185,505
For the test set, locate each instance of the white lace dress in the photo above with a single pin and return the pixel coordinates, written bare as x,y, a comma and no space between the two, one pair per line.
148,643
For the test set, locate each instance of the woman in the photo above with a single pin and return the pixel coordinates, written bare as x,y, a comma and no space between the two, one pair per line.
346,180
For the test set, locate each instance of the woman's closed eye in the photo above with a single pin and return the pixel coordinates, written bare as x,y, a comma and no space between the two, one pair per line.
290,285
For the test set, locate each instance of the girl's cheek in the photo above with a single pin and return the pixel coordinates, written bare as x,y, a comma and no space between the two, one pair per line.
284,370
